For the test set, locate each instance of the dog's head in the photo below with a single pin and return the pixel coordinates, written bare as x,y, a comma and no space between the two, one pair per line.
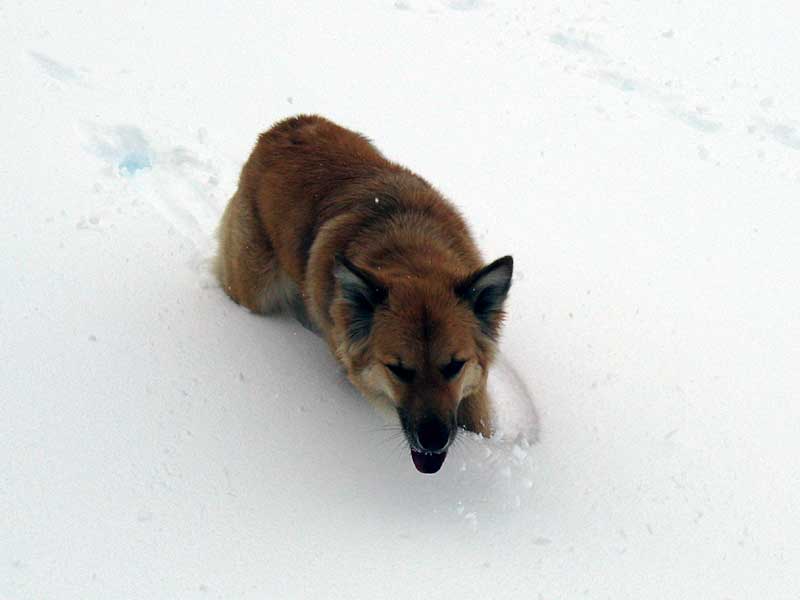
422,343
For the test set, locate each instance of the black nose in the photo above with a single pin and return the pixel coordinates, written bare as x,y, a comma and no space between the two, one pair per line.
433,434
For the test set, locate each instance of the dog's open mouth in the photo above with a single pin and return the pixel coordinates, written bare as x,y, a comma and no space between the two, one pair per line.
428,463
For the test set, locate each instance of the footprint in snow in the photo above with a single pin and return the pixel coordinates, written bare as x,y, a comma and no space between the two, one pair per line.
176,180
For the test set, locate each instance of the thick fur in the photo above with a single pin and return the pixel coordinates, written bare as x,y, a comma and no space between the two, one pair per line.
372,257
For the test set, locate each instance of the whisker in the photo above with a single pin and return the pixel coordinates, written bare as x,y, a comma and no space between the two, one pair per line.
383,429
391,438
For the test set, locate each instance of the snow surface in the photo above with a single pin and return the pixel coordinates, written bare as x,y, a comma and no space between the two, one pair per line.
641,160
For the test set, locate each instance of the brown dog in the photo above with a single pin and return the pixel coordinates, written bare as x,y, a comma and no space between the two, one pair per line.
370,255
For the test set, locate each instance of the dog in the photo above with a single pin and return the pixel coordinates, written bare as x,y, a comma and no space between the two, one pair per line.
370,256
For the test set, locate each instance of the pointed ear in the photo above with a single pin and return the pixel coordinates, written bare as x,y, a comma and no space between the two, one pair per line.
486,290
363,294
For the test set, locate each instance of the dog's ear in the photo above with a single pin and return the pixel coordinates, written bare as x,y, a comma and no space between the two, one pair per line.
363,294
486,290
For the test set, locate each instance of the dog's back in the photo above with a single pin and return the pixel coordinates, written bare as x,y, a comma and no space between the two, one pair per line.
307,175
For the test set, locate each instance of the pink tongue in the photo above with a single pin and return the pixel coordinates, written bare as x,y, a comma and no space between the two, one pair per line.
428,463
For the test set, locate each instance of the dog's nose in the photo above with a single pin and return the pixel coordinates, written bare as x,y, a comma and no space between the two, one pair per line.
433,434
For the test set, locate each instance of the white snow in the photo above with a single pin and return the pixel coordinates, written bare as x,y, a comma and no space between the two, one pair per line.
640,160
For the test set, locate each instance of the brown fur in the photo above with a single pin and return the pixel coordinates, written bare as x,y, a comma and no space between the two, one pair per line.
311,191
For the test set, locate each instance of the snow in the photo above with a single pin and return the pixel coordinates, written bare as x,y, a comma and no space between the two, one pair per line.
639,160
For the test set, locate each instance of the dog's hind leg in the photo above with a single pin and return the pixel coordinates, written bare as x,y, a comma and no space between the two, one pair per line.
246,265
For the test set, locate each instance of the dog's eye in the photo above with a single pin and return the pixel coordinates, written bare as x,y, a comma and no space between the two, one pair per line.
452,368
403,374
